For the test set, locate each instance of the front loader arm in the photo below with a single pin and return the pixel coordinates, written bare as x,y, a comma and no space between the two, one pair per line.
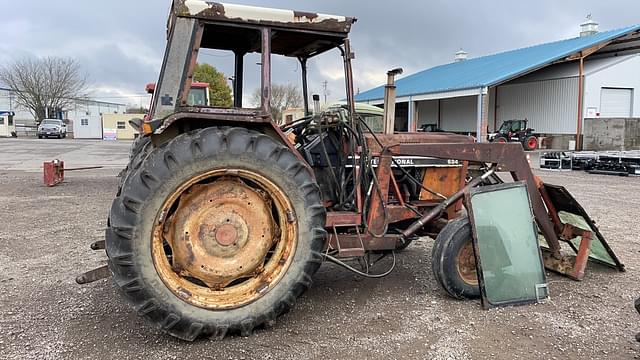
510,157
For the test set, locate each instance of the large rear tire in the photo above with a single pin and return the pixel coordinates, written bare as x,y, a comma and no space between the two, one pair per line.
140,148
453,261
195,182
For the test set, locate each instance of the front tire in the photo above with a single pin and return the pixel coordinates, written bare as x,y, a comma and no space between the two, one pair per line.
453,262
194,181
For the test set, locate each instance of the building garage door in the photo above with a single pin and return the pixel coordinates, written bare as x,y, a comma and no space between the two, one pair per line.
615,102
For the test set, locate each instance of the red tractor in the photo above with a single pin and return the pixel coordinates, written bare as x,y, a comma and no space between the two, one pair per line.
516,131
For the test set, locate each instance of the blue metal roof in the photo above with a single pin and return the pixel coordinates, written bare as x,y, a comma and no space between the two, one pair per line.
492,69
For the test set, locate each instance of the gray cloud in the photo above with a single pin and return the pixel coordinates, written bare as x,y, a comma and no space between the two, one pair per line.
120,43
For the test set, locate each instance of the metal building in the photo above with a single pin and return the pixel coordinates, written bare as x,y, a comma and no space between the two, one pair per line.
554,85
86,117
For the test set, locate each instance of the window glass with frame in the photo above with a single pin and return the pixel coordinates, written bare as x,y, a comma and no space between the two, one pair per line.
505,236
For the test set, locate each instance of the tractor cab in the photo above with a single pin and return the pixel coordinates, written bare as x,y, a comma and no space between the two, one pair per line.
196,25
512,126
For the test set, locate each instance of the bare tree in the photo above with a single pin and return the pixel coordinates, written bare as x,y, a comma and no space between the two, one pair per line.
44,84
283,97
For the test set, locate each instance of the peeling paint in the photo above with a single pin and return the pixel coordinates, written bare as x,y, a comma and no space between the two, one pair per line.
258,14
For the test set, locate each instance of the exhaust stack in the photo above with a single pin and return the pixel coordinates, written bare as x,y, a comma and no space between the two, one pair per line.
316,104
390,100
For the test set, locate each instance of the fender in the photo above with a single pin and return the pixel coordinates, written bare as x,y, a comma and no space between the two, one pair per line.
163,130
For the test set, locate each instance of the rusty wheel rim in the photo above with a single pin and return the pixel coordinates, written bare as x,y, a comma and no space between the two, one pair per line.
224,239
466,264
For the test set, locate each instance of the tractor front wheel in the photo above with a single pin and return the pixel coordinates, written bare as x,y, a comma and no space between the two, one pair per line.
453,262
218,231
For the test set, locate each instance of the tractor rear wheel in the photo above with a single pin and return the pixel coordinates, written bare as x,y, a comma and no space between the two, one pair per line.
217,231
140,148
453,262
530,143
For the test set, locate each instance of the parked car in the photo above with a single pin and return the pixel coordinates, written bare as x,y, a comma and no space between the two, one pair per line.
52,128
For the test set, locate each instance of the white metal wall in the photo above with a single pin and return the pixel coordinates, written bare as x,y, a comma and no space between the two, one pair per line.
551,106
459,114
624,73
92,112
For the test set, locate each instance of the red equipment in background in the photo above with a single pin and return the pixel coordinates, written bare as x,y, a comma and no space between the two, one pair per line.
54,171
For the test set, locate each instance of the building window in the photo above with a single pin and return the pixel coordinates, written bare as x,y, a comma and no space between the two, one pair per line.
1,121
84,122
121,125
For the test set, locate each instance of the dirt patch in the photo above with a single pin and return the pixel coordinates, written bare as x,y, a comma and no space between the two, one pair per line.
44,243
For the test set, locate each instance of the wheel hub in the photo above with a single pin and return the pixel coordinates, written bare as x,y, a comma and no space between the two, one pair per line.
226,235
221,232
466,264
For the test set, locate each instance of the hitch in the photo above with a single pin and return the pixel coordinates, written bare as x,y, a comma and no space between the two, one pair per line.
95,274
54,171
90,276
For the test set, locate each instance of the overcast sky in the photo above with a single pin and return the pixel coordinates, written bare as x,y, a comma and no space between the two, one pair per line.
120,43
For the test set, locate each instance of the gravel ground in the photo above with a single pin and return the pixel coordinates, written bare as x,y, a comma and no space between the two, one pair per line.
44,243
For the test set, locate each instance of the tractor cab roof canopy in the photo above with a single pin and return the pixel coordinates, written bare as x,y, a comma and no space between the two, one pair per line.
295,33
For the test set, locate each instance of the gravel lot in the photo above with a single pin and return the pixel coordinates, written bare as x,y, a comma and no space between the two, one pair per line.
44,243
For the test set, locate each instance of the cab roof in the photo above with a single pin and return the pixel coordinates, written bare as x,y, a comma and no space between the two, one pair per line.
233,13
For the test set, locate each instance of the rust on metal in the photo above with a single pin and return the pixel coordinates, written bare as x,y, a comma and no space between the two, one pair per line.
510,157
378,216
444,180
437,211
342,218
414,138
219,12
354,242
221,232
186,86
466,264
54,170
229,239
94,275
